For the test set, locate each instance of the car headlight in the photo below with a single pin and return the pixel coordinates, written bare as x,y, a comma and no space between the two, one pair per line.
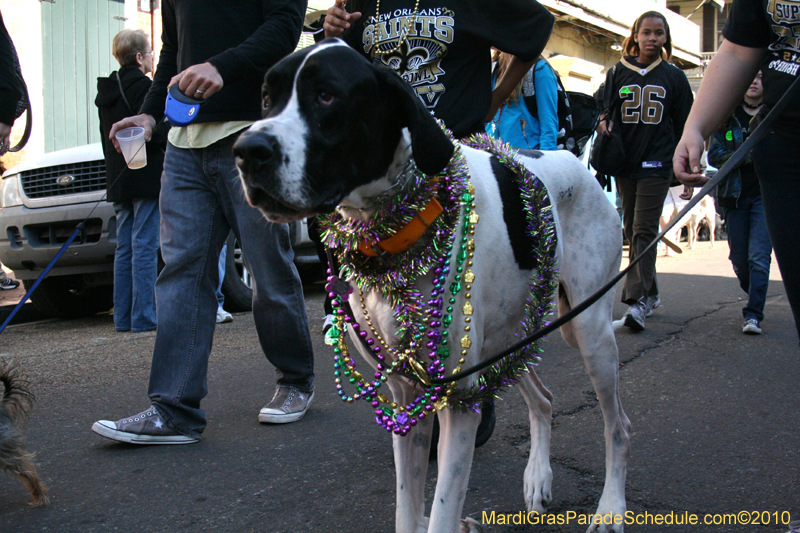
10,194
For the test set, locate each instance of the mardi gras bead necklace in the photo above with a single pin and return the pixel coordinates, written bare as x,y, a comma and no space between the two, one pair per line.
403,34
396,418
427,327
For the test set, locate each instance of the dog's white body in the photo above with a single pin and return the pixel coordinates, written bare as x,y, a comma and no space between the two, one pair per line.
704,210
588,255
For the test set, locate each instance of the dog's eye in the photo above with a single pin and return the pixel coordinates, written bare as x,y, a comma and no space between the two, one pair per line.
325,98
265,102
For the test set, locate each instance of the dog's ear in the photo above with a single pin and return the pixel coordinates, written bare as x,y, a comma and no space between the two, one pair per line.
431,146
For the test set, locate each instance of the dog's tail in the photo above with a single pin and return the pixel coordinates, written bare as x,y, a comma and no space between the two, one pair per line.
17,398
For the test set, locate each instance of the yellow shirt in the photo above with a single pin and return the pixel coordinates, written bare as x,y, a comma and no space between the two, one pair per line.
204,134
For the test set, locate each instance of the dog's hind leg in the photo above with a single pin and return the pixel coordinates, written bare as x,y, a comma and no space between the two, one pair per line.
601,357
564,307
411,454
456,448
538,477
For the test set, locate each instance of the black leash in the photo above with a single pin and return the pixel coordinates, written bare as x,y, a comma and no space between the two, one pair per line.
759,133
79,230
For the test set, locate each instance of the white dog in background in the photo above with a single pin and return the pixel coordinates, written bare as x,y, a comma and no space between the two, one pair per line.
704,210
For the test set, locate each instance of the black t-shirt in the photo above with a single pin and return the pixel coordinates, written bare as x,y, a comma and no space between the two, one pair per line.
446,57
750,186
654,101
774,24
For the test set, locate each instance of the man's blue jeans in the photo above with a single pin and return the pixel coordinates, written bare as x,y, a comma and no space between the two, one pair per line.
201,201
751,252
136,265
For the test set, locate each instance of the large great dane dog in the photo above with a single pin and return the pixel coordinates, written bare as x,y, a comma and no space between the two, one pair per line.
336,133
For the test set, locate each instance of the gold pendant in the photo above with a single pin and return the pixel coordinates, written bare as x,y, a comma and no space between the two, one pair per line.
471,245
466,342
467,309
469,276
473,218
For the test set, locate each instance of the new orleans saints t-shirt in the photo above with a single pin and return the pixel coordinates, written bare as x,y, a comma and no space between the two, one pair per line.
446,54
774,24
654,101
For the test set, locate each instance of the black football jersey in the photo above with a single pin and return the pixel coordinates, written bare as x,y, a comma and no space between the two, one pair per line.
652,103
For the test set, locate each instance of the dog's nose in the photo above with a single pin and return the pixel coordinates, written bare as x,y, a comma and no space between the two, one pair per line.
256,148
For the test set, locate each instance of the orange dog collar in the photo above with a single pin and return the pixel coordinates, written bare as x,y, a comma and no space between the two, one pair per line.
407,235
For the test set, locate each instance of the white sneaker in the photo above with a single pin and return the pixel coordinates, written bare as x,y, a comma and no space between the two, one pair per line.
223,317
634,318
651,303
751,327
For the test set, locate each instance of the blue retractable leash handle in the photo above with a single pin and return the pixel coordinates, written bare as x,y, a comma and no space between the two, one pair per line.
181,111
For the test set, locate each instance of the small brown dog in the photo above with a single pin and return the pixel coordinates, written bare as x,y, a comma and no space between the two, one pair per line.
14,407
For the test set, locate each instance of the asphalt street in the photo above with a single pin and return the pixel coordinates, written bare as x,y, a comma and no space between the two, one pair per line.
715,418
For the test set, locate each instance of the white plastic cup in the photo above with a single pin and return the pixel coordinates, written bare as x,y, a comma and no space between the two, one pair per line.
131,141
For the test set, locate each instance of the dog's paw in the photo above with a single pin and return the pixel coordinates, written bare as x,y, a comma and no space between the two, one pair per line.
469,525
618,324
538,488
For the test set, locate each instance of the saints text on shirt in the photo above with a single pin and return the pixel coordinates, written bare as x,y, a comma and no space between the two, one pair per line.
430,23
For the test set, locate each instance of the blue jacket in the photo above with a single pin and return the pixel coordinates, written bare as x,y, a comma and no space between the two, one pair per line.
514,123
725,141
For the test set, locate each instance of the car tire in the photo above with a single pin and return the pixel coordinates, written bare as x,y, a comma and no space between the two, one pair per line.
237,287
66,297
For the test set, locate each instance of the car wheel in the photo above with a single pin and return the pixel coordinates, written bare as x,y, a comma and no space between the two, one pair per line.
238,283
67,297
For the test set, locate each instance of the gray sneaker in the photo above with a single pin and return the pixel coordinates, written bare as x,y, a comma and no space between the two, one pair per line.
651,303
289,404
634,318
751,327
145,428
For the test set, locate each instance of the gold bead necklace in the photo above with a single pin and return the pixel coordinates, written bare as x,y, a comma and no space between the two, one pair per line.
403,36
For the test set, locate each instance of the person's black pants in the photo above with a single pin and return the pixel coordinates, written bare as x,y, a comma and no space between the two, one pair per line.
777,162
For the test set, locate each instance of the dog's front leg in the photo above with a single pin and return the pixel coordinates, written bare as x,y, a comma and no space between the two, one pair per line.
411,463
456,448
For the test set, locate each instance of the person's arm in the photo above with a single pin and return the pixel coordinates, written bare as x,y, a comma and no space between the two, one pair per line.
153,107
10,92
605,125
547,106
726,80
276,38
508,81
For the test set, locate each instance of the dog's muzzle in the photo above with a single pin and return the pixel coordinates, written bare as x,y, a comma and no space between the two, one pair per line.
257,153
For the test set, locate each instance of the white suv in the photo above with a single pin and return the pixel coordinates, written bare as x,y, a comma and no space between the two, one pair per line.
41,203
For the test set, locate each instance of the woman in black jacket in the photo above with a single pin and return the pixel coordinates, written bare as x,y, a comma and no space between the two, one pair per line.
134,192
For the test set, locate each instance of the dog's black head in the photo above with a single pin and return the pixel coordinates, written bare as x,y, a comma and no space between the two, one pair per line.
332,123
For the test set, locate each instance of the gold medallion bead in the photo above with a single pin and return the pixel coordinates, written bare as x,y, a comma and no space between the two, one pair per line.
404,36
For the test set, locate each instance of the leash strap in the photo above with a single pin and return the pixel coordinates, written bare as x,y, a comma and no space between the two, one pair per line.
759,133
78,230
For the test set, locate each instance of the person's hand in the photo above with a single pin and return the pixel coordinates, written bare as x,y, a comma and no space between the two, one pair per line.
337,19
604,127
198,81
5,138
687,193
686,162
143,121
